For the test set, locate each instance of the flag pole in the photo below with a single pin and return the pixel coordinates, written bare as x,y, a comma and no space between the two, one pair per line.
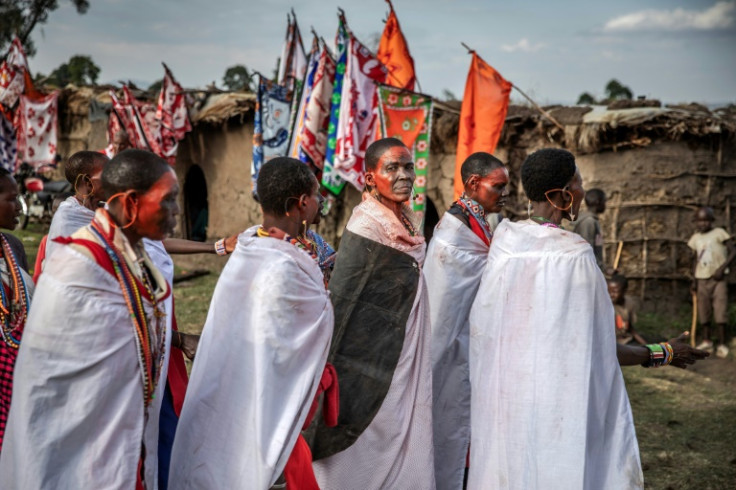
534,104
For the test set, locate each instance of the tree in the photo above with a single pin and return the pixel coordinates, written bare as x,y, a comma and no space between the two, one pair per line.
586,99
79,70
21,16
617,91
237,78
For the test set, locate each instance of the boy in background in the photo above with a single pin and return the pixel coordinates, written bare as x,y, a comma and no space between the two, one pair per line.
713,252
625,310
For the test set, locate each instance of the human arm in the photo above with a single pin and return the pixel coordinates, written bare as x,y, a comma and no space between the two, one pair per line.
182,246
721,271
629,355
185,342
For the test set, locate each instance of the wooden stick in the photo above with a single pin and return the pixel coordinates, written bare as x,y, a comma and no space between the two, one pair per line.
618,254
694,324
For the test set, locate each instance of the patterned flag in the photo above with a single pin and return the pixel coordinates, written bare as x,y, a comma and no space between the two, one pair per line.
173,116
393,52
408,117
12,71
270,125
293,63
298,115
317,112
138,119
330,179
485,103
8,145
358,112
36,124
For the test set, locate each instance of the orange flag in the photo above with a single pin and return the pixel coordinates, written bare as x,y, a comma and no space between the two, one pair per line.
393,52
485,103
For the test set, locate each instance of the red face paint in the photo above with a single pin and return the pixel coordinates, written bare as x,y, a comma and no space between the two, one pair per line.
491,190
394,175
158,208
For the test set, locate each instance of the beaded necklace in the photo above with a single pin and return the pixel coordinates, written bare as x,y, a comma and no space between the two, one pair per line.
544,222
407,224
472,209
147,352
13,312
299,242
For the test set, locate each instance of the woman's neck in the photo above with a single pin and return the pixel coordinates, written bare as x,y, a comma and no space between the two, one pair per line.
546,212
287,224
395,207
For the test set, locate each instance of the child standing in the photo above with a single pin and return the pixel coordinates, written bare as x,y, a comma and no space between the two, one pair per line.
713,251
625,311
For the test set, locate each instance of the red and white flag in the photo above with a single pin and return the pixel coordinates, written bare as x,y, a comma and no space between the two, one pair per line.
36,125
293,63
358,112
139,121
12,71
173,116
317,112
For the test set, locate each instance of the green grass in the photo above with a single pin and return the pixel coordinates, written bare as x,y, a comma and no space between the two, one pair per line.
685,421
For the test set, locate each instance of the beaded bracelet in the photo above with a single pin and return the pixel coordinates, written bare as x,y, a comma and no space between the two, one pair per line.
220,247
659,355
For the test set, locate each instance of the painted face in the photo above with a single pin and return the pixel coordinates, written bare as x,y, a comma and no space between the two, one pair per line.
616,292
394,175
491,191
575,186
9,205
703,222
158,208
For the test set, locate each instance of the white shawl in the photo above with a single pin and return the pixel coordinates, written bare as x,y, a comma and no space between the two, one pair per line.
549,405
456,258
77,418
259,362
395,450
70,217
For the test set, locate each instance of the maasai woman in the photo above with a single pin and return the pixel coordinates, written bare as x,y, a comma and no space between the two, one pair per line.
264,346
549,407
381,342
17,291
89,376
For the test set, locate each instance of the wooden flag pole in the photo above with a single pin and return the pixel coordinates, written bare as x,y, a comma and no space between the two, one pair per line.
694,324
534,104
618,254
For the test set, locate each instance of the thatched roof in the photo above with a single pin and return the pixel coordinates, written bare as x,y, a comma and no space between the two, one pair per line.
220,108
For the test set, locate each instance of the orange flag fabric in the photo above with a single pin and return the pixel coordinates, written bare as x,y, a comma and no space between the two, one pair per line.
393,52
485,103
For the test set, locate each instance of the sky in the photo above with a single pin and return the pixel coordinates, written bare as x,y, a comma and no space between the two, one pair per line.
672,50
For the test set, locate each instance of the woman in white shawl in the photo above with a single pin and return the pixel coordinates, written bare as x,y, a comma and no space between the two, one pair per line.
543,415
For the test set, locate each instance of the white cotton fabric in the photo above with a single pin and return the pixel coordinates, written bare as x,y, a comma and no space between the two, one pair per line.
549,405
68,218
260,359
77,418
455,261
395,450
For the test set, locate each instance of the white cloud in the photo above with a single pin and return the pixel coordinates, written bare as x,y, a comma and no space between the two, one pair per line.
719,16
523,46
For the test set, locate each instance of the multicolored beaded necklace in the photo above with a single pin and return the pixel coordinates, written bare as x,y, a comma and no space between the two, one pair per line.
13,312
545,222
407,224
298,242
475,210
147,352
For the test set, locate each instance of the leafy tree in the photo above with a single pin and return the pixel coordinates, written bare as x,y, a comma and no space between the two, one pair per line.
238,78
79,70
21,16
615,90
586,99
155,87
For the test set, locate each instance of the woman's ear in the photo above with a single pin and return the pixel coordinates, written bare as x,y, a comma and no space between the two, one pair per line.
369,180
472,182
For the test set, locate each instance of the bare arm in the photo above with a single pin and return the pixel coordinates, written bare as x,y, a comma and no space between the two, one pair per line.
630,355
182,246
721,271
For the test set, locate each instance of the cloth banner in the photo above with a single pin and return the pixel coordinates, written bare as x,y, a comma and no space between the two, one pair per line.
485,103
8,145
36,125
138,119
356,128
173,116
293,62
270,125
408,117
12,71
317,111
330,179
393,52
298,115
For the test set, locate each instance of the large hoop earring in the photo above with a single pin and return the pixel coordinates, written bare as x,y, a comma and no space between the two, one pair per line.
76,185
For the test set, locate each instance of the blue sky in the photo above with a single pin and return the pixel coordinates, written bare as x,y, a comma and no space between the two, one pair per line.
674,50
